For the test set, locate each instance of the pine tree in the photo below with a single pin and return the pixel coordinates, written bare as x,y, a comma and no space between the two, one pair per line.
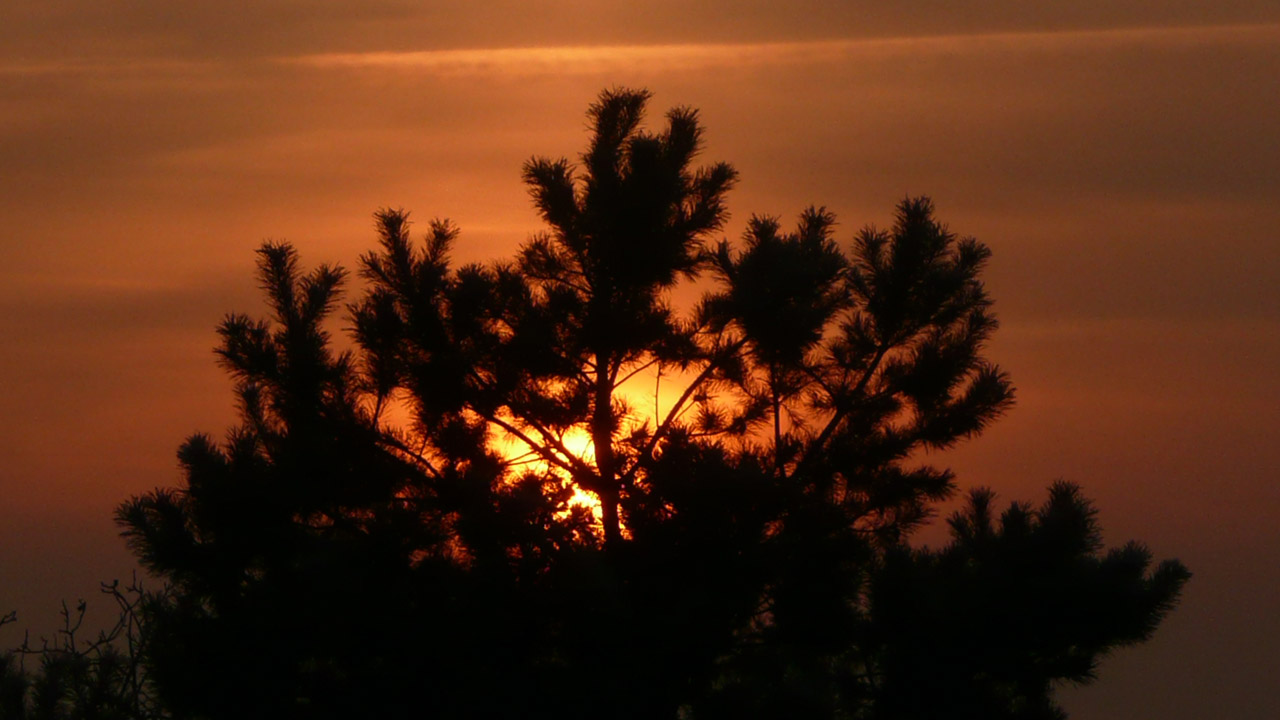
368,542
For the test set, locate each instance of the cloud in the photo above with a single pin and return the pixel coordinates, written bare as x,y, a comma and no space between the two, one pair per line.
593,59
56,30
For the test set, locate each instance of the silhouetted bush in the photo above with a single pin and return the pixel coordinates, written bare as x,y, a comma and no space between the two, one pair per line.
70,677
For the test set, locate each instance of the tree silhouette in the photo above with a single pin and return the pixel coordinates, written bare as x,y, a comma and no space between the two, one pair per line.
368,542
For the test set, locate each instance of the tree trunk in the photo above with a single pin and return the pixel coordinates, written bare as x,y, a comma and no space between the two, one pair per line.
602,440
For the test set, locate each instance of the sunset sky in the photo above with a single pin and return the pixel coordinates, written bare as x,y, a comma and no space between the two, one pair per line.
1121,159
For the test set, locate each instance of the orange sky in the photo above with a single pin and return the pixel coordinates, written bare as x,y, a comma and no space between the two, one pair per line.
1122,160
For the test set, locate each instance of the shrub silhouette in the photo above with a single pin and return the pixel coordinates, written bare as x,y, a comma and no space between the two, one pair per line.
331,558
71,676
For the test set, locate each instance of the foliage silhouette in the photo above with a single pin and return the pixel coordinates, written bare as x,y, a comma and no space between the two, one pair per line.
100,677
332,558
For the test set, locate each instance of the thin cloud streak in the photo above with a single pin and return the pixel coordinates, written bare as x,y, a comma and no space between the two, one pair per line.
540,60
91,68
709,56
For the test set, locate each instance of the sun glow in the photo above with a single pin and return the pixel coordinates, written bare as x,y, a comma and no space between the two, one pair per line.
577,444
646,395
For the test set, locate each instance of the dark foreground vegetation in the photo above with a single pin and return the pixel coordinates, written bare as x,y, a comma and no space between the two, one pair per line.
390,532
